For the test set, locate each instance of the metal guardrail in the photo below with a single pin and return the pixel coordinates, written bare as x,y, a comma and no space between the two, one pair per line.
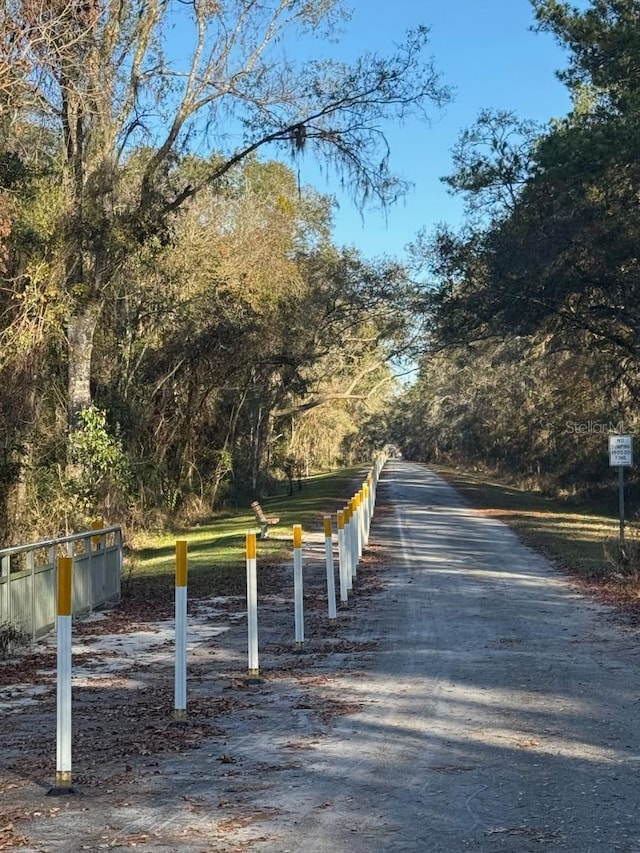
28,578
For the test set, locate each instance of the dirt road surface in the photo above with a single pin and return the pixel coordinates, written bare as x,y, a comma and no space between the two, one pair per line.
470,699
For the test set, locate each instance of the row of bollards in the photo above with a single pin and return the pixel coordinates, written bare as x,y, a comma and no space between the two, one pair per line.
353,526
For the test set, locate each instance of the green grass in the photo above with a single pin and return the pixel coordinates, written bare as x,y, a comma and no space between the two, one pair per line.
573,536
216,549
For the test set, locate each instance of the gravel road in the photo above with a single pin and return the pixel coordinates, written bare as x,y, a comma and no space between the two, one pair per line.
469,700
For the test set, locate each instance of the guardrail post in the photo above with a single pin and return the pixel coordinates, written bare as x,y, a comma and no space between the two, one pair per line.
120,544
31,568
5,568
63,684
180,679
298,595
328,554
252,605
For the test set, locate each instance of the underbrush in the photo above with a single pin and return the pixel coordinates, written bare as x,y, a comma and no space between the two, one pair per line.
622,558
11,638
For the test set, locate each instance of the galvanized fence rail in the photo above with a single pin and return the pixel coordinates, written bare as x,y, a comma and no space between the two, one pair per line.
28,578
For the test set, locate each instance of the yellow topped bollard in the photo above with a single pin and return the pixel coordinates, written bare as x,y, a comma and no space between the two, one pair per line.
328,555
354,536
180,675
63,677
252,606
298,595
342,561
348,546
366,492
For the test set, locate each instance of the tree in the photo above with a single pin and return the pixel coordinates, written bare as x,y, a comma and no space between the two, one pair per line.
245,339
567,256
561,253
521,406
534,320
200,328
604,44
493,159
124,107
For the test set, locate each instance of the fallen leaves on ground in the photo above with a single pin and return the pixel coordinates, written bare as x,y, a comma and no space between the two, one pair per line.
9,838
38,668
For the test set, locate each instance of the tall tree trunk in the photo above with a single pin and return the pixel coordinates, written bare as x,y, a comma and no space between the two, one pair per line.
256,449
81,329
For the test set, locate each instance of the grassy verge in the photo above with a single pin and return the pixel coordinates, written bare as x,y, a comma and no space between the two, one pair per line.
582,540
216,548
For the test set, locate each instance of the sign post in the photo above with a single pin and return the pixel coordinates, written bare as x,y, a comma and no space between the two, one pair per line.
621,456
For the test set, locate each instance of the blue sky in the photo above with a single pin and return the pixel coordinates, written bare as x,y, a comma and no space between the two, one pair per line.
487,52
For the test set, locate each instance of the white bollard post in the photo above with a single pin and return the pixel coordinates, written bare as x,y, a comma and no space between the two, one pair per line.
348,546
342,560
331,582
180,675
360,497
374,485
252,606
354,538
357,531
63,702
367,510
298,596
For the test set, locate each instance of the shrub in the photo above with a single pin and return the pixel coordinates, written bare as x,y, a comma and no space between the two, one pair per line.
10,636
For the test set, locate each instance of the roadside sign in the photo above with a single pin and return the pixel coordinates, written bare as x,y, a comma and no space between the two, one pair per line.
620,450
